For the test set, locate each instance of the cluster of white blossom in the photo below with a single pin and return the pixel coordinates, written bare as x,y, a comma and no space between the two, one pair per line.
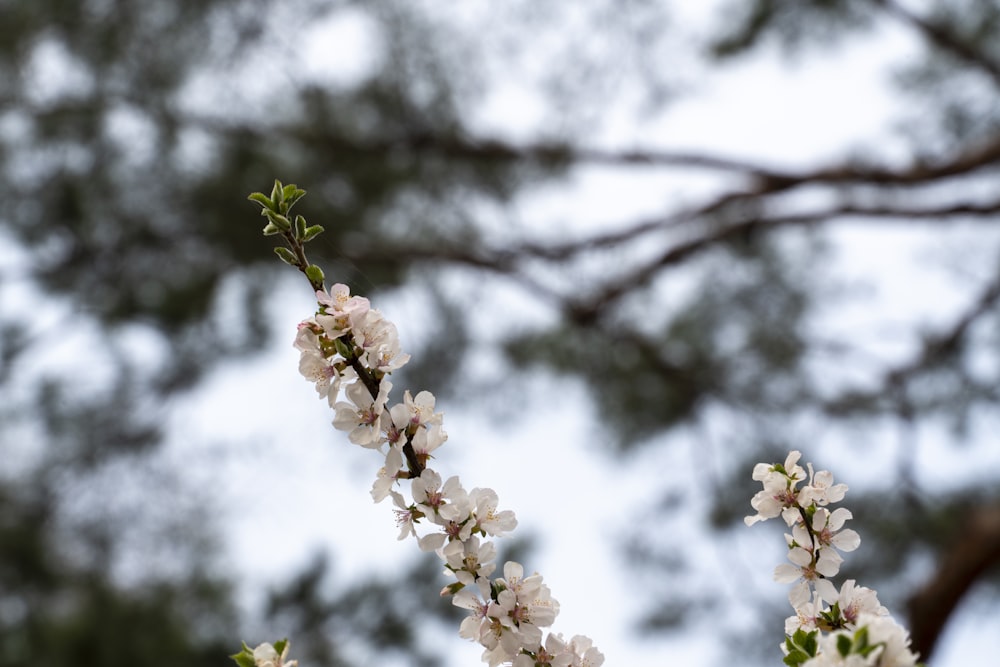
265,655
845,627
349,348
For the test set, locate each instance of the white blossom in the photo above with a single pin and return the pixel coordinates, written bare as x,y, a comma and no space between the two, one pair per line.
362,416
266,656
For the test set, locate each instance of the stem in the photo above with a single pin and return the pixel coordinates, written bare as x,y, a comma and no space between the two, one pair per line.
367,376
300,254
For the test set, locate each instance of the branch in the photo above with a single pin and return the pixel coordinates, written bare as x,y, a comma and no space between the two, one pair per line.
968,559
944,39
934,351
768,180
682,251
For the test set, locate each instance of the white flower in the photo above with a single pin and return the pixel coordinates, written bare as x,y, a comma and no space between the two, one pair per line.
342,310
323,372
855,601
826,525
469,561
383,484
488,520
802,551
893,638
426,440
265,656
405,516
525,604
584,653
420,410
779,493
362,416
821,489
890,640
307,336
555,653
807,609
379,342
431,496
478,625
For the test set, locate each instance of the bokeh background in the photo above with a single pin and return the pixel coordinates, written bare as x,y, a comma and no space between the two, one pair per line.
633,246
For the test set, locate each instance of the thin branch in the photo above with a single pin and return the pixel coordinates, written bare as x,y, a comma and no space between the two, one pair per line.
682,251
935,350
768,180
944,39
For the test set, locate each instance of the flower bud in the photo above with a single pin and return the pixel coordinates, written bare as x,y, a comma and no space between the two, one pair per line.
315,274
287,256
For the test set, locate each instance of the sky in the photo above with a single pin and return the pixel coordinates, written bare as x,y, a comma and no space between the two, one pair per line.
299,478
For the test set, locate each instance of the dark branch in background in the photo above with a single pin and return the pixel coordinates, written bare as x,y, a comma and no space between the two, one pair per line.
488,149
680,252
935,351
975,551
944,39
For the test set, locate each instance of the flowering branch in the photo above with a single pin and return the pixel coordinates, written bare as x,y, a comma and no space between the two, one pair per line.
348,345
860,631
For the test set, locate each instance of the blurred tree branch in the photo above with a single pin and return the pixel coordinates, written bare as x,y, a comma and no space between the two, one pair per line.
944,38
959,568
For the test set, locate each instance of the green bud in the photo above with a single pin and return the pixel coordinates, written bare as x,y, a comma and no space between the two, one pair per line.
276,197
278,220
287,256
451,589
312,232
270,229
300,227
315,274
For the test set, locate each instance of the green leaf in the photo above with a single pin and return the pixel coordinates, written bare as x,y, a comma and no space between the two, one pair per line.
296,195
280,645
300,227
288,191
287,256
270,229
261,199
801,646
278,220
844,645
245,657
315,274
811,643
312,232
